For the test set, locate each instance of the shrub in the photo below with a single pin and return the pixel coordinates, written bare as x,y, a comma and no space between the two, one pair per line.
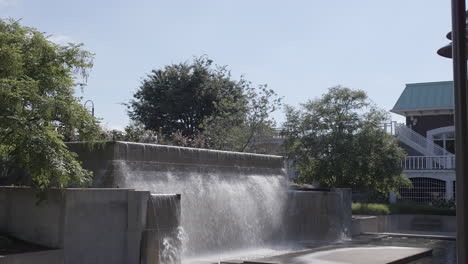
411,208
400,208
370,209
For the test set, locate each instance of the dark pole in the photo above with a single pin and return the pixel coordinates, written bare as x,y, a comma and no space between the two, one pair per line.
461,126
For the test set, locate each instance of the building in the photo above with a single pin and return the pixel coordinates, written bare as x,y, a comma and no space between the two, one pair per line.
428,137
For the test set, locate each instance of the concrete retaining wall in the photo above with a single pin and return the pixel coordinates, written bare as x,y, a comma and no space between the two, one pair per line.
319,215
89,225
401,223
40,257
111,161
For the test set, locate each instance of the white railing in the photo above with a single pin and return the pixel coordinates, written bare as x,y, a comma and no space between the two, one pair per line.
428,163
419,142
390,127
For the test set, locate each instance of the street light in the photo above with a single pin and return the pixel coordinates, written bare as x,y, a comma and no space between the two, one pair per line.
92,106
457,51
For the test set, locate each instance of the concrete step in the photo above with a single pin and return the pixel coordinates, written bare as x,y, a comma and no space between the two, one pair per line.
426,224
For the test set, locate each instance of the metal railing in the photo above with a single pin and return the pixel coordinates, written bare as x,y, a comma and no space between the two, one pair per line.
428,163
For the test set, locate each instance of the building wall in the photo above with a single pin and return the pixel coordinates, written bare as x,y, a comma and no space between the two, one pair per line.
429,122
409,150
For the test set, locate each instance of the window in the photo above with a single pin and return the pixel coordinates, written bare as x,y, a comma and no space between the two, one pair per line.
424,190
446,140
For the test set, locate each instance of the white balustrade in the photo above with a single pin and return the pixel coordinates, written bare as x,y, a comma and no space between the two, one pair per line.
428,163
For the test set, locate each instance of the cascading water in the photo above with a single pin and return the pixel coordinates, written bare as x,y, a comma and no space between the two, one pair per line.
163,236
229,200
232,203
222,213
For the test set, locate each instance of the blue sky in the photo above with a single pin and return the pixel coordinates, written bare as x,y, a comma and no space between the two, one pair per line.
298,48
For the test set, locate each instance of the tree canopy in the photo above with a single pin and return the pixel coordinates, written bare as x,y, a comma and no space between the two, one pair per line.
198,104
337,141
38,109
181,96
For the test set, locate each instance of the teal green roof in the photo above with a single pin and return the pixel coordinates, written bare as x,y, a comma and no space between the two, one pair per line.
425,96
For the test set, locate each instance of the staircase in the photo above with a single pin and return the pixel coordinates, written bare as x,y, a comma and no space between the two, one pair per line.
419,142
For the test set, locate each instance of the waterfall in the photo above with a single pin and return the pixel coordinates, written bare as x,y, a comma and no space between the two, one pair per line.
231,203
222,213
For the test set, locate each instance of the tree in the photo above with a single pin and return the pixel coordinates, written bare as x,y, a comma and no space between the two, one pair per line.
134,132
225,132
198,105
337,141
38,109
179,97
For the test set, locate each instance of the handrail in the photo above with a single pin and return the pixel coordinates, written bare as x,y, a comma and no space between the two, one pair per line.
403,131
428,163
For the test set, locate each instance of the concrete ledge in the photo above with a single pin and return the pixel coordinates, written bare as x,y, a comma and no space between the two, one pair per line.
132,151
402,223
352,255
38,257
430,235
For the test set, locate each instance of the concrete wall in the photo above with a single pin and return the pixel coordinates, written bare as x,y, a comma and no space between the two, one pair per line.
39,257
90,225
110,161
402,223
426,123
319,215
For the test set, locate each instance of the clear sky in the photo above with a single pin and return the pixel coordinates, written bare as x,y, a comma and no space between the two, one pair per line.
298,48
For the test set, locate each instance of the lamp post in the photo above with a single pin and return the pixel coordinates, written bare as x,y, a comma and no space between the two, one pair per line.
457,51
92,106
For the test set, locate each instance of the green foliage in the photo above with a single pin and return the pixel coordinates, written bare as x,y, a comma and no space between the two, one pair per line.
412,208
181,96
38,110
401,208
370,209
134,132
442,203
199,105
337,141
240,131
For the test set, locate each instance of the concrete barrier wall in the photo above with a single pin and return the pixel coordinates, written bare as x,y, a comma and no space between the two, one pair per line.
401,223
111,161
90,225
319,215
39,257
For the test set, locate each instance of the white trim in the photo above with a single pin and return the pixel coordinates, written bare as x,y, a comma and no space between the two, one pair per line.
441,175
430,133
423,112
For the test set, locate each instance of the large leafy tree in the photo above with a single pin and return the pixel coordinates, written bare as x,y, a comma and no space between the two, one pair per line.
223,131
179,97
199,105
38,109
337,141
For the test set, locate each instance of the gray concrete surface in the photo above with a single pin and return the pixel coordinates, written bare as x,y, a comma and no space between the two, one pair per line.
111,160
90,225
351,255
319,215
39,257
403,223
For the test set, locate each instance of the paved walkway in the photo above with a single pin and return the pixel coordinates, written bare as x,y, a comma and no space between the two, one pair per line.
356,255
421,234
